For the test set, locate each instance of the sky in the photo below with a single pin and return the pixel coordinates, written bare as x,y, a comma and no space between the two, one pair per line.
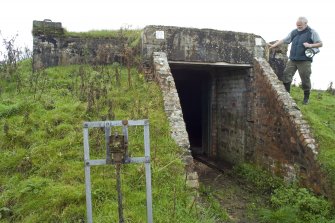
272,20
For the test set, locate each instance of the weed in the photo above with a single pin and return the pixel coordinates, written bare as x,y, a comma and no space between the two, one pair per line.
295,204
260,179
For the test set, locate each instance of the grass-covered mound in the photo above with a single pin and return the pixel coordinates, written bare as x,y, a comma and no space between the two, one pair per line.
42,161
320,115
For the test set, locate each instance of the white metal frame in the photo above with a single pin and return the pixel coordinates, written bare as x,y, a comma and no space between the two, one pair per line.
88,162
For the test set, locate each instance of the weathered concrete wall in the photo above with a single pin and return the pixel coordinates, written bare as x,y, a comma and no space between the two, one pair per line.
205,45
51,47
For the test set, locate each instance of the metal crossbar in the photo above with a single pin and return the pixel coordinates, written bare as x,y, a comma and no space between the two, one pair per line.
107,125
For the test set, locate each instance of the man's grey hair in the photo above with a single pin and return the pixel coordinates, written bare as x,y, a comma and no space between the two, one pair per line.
303,19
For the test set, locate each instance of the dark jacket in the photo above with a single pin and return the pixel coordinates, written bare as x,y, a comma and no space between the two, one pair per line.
297,48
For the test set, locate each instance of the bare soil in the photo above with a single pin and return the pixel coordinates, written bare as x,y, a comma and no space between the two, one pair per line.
235,196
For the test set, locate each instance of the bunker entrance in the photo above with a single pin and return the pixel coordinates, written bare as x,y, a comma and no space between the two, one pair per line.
202,85
193,89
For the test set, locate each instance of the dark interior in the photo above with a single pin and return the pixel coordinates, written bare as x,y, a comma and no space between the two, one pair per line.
192,87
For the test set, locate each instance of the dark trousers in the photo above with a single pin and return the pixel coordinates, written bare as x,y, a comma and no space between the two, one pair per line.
305,70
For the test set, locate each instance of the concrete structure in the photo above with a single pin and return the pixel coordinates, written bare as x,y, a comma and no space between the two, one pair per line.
221,96
53,47
234,106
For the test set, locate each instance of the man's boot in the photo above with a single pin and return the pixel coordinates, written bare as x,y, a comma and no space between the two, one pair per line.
287,87
306,97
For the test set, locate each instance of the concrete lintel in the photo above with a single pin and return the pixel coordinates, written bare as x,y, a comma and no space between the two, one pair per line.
204,64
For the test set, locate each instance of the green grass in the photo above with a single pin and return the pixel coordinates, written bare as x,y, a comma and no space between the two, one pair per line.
41,159
132,36
320,115
106,33
285,203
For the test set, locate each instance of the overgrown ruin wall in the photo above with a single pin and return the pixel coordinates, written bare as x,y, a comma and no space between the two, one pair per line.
252,117
53,47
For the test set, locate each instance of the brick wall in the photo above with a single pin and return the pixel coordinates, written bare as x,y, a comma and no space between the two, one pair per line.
284,143
228,111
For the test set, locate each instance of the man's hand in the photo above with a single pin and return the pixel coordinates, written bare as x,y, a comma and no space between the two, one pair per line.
270,45
308,45
277,43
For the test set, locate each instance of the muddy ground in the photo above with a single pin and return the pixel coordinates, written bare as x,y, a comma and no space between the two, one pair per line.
235,196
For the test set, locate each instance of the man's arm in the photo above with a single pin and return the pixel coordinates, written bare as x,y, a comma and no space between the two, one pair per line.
279,42
317,42
313,45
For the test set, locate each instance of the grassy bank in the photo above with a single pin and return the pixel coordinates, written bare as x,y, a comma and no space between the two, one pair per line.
41,159
320,115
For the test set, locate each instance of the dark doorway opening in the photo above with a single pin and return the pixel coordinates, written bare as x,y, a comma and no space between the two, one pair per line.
192,86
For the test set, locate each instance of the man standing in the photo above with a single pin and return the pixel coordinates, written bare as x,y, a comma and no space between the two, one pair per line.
302,38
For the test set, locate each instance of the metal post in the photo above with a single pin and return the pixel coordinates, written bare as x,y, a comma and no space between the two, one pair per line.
148,171
119,192
87,176
107,140
125,133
